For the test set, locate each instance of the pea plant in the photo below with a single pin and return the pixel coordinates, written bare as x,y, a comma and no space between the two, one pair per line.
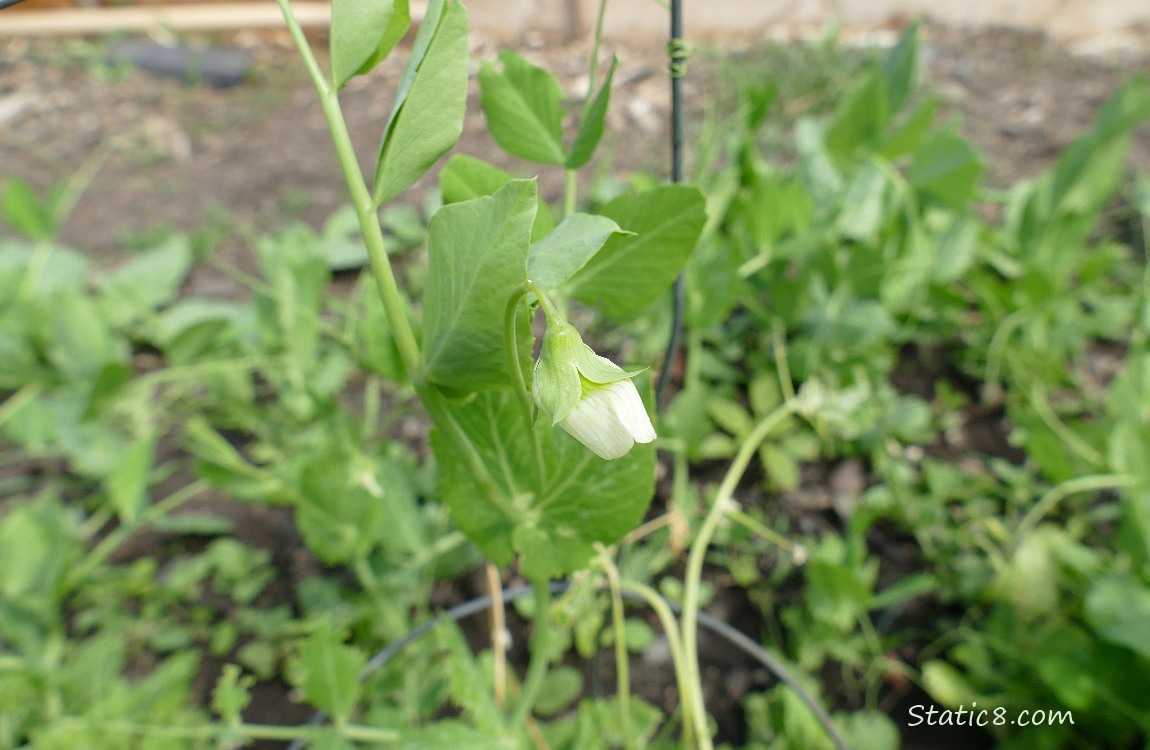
542,464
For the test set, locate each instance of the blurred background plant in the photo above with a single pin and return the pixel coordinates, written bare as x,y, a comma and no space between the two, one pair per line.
951,505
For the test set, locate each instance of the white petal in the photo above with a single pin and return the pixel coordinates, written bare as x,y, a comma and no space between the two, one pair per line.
630,410
609,420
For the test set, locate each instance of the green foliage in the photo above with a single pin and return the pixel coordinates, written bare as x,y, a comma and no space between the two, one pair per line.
477,259
497,497
356,43
847,292
633,270
868,260
525,112
427,117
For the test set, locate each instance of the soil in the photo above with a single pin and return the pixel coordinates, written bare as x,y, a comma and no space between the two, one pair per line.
162,154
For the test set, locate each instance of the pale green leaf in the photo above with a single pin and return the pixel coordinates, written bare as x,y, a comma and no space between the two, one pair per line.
946,167
584,499
469,686
591,127
523,104
128,483
328,672
559,256
465,177
1118,608
478,257
631,272
363,33
146,282
427,119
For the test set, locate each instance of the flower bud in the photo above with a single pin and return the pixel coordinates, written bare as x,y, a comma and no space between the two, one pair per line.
589,396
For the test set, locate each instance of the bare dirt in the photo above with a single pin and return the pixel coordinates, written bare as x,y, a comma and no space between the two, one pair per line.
162,154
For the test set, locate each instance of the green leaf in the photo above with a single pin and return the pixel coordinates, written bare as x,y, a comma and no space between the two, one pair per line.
363,34
910,131
81,342
559,256
468,683
147,282
868,202
822,179
946,167
38,543
1089,171
900,67
23,209
869,730
328,672
231,694
427,118
561,687
523,105
947,685
465,177
601,722
488,483
591,127
478,257
1118,608
861,118
631,272
338,516
220,463
956,248
127,485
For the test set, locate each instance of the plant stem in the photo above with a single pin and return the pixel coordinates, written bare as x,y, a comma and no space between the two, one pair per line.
596,45
108,544
356,732
687,688
699,552
798,551
622,661
540,654
18,401
498,634
570,192
394,303
1089,483
511,346
552,312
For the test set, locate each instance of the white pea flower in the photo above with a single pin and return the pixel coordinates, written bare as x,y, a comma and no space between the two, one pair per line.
589,396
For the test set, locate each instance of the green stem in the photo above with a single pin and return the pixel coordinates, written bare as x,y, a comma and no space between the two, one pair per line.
570,192
622,661
698,553
110,543
798,551
540,654
687,688
18,401
549,309
1090,483
597,44
276,732
394,303
1046,413
511,346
